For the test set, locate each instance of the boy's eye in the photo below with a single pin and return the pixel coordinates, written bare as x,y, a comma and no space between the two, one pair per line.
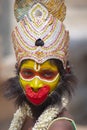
47,74
27,73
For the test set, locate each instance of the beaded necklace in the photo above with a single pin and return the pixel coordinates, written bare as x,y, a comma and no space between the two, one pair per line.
43,121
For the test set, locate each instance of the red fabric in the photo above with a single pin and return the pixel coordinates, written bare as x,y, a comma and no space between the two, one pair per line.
37,97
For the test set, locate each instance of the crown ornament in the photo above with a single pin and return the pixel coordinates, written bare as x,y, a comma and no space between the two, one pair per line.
40,34
55,7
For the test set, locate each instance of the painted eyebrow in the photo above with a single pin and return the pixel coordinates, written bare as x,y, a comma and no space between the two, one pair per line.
28,68
50,69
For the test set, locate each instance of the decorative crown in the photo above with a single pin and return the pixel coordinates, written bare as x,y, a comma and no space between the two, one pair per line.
40,35
55,7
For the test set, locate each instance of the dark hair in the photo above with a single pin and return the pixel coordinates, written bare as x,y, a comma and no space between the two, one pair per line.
65,87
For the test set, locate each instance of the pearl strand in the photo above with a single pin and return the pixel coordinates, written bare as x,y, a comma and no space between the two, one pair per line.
43,121
19,117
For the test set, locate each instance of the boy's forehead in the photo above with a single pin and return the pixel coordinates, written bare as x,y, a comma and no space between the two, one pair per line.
35,65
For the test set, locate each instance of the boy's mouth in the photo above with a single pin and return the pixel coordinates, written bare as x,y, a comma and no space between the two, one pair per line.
38,97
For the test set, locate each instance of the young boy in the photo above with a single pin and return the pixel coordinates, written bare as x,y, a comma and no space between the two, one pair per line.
43,85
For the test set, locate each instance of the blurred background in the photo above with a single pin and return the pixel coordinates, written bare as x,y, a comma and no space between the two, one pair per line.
76,23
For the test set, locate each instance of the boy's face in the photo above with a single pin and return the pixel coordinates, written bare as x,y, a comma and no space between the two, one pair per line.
38,80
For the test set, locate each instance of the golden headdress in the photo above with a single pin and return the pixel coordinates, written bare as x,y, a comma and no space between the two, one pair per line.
55,7
40,21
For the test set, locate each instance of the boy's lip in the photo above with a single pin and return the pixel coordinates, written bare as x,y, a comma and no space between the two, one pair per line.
37,97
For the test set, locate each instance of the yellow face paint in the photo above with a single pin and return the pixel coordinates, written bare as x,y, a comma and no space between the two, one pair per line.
38,75
36,82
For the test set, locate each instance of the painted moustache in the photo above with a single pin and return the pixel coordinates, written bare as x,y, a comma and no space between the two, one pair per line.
38,97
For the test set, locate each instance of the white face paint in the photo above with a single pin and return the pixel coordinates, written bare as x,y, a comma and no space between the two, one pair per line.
36,66
38,77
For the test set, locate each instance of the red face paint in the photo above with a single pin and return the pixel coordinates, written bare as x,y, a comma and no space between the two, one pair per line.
39,97
43,74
